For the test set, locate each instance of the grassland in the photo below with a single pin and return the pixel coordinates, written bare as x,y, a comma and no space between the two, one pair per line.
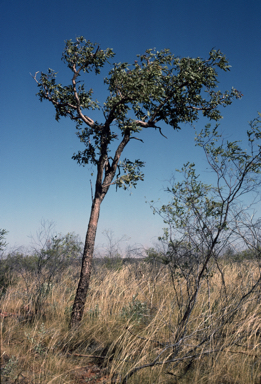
131,328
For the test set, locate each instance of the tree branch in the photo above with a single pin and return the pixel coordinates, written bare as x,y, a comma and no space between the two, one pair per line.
86,119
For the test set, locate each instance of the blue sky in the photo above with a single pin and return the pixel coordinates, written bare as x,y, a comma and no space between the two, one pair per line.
39,180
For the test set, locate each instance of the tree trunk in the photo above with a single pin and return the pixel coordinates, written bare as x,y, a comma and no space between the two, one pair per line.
81,293
101,188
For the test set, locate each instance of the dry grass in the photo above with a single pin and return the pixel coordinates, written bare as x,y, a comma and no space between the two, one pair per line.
130,320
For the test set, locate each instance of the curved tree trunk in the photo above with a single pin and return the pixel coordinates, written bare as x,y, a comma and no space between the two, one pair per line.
81,293
101,188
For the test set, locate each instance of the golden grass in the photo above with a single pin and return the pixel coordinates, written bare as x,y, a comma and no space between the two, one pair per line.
131,318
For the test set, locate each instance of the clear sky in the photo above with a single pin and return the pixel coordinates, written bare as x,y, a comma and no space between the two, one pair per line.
39,180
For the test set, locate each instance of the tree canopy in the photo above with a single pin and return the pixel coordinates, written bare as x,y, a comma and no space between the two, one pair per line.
158,87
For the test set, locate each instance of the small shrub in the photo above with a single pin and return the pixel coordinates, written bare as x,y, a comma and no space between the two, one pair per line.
6,276
114,263
8,370
136,311
37,340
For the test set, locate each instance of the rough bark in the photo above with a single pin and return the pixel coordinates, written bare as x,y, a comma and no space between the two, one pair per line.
81,293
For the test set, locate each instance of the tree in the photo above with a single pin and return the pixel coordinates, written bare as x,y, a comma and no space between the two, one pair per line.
202,221
156,88
210,218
